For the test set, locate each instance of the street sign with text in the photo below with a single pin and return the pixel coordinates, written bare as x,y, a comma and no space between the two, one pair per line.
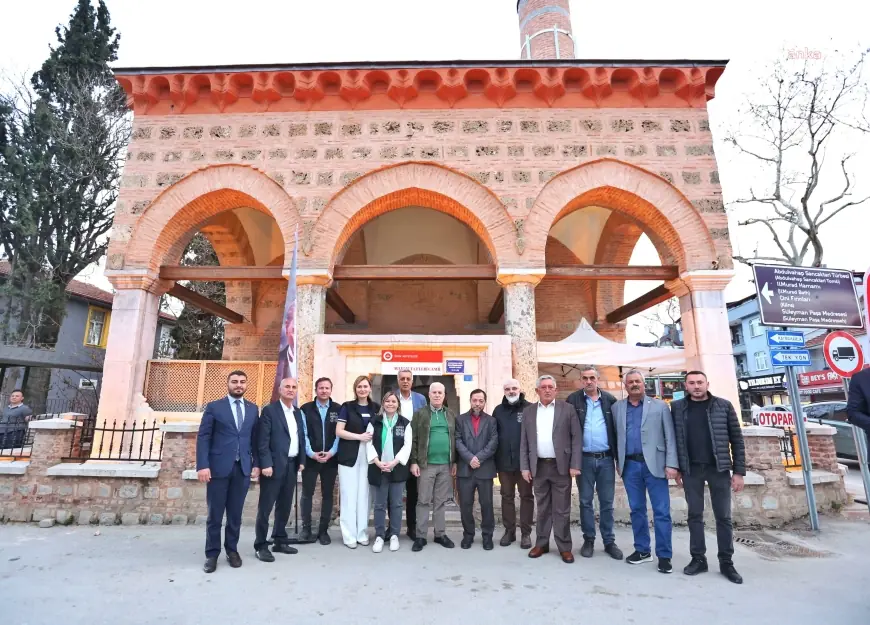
807,297
781,338
790,357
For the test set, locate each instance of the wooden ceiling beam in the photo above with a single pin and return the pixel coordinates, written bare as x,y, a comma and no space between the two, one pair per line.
334,301
495,314
205,304
647,300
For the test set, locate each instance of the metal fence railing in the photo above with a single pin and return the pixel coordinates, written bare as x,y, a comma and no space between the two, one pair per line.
16,439
136,442
788,447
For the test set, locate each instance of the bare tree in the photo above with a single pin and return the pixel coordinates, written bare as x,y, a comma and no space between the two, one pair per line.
661,321
786,134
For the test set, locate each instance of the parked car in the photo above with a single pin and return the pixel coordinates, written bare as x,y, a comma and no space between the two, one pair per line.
833,413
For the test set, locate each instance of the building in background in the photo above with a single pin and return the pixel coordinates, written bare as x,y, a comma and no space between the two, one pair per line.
66,375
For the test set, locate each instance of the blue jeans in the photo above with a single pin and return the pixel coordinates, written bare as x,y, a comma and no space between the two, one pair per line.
597,474
638,481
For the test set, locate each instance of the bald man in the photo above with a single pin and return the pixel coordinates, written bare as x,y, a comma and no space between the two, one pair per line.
433,463
281,443
509,423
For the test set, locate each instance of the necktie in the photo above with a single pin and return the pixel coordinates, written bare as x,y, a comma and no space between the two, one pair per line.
239,418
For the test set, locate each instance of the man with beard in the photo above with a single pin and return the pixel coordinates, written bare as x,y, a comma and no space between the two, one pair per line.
509,422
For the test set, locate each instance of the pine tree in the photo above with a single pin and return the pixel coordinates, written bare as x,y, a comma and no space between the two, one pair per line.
62,142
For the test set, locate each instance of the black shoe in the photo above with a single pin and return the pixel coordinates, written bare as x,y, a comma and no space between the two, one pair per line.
324,538
264,555
305,535
639,558
508,538
487,543
665,565
210,565
588,548
697,565
613,551
727,569
419,543
465,544
526,541
444,541
285,549
234,559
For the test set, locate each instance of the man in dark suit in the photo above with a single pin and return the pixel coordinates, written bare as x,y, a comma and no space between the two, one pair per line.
226,460
597,472
321,445
281,446
858,406
476,442
551,446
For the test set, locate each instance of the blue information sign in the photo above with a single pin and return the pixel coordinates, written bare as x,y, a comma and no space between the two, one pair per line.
455,366
783,338
790,357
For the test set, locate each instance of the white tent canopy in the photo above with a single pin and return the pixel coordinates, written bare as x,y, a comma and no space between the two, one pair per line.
586,346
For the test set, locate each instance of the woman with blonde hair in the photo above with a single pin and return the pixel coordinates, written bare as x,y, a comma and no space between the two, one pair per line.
353,483
388,452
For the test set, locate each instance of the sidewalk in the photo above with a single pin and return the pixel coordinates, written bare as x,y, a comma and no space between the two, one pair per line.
147,574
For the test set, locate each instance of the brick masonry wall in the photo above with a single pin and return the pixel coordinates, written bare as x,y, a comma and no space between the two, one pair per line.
512,152
169,499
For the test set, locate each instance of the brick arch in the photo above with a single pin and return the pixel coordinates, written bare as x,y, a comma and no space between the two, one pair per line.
418,184
180,210
663,211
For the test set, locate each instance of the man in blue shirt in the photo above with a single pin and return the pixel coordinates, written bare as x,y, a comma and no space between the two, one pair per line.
598,471
321,445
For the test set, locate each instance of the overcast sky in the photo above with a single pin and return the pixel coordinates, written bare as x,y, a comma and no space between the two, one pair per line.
751,33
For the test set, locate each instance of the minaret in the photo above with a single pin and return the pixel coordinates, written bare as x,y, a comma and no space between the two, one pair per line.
545,29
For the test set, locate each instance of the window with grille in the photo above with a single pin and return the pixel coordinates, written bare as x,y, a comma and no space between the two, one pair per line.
96,331
761,361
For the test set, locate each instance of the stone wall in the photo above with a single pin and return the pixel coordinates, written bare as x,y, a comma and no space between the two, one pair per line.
167,492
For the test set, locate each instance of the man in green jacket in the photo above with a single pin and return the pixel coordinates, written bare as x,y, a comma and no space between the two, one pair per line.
433,462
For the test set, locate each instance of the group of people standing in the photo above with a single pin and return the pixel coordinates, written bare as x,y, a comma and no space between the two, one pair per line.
404,453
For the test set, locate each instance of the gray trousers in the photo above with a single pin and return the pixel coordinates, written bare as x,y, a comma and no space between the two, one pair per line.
434,489
388,494
553,495
467,486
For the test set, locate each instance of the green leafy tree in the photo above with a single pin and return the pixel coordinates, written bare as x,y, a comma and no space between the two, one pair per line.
63,137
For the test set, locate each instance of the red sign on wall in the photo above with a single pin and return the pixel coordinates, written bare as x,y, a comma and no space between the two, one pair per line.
417,361
410,355
818,378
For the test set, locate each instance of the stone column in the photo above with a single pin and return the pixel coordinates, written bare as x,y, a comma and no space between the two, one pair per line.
706,335
310,321
132,328
520,325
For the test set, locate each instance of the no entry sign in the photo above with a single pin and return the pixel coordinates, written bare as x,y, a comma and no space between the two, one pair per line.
807,297
843,353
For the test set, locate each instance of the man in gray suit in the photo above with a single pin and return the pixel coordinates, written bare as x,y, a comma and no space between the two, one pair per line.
551,448
476,442
646,459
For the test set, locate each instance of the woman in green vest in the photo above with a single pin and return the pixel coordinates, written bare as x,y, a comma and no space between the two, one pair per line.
388,452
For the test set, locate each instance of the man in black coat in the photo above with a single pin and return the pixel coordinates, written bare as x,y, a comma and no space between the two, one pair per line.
598,469
476,442
281,444
321,445
709,447
508,416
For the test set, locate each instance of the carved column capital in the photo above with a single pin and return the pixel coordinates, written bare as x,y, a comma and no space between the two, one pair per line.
531,276
141,279
702,280
319,277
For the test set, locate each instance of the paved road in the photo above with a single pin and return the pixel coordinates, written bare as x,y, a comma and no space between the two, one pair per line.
135,575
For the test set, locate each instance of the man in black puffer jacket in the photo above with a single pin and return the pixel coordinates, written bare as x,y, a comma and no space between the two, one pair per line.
709,448
509,422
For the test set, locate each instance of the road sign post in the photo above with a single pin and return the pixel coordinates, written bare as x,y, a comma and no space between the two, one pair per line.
806,461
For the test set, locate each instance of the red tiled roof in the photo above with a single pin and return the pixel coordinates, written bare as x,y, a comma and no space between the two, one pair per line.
819,340
86,291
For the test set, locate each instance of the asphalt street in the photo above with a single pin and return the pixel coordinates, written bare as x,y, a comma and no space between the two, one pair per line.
144,574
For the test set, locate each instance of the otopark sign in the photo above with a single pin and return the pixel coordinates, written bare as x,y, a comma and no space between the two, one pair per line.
843,353
807,297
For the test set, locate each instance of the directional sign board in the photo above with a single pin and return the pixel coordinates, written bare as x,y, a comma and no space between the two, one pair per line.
843,353
781,338
790,357
807,297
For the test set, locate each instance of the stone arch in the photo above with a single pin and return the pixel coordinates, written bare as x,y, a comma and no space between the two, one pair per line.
418,184
180,210
662,210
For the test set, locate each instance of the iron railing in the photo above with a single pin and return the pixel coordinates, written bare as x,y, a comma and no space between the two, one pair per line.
17,439
788,447
134,442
